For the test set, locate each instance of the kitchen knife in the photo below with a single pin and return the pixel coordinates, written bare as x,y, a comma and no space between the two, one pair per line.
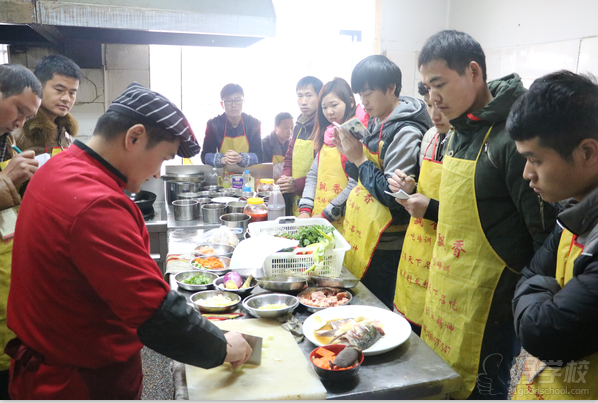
255,343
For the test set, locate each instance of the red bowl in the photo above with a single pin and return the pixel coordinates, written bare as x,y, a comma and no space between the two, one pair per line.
335,374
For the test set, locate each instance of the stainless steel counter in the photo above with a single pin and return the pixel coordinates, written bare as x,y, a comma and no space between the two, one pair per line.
410,371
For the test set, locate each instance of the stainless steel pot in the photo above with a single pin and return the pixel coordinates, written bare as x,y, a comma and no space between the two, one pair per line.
202,201
172,188
235,206
211,212
186,210
188,195
237,221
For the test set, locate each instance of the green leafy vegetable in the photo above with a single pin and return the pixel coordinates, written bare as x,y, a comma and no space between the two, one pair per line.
197,280
309,234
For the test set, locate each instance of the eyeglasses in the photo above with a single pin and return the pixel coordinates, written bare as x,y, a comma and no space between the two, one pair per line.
229,102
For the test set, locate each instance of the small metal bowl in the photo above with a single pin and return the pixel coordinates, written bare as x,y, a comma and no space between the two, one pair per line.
253,304
179,277
219,285
214,188
203,193
219,249
229,192
202,296
312,308
336,282
340,374
218,272
282,283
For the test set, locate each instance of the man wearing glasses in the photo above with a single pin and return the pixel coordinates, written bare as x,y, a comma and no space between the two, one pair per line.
233,137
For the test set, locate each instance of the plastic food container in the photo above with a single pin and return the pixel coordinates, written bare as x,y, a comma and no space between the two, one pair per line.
297,261
256,209
265,186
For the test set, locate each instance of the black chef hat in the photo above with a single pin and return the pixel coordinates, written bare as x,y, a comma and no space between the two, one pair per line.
147,106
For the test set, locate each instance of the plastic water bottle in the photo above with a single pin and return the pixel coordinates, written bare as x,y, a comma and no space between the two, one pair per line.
276,205
213,177
247,181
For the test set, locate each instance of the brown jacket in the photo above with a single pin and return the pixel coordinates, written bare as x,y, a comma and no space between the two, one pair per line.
40,134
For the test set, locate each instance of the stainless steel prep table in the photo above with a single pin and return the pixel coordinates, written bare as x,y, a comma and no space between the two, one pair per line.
410,371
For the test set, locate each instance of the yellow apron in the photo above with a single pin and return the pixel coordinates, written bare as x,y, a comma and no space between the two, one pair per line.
303,157
416,256
364,234
576,380
5,334
463,275
331,181
239,144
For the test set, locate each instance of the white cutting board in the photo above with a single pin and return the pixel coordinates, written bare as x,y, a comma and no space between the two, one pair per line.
285,372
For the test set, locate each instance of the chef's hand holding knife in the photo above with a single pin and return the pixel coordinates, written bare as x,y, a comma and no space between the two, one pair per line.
418,203
238,350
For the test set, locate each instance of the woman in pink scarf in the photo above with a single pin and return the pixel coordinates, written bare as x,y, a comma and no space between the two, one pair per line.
327,185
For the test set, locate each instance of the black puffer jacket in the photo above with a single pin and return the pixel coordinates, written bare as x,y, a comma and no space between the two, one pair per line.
554,323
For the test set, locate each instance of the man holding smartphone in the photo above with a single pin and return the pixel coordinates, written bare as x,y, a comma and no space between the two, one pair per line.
397,125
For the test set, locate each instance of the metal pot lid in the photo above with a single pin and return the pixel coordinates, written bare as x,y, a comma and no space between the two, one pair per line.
199,177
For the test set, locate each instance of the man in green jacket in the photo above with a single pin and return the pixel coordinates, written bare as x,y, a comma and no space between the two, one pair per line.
490,221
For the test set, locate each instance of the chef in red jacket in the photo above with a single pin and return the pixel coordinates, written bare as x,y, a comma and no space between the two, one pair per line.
85,293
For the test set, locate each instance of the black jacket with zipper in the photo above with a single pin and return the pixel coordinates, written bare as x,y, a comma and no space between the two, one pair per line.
513,217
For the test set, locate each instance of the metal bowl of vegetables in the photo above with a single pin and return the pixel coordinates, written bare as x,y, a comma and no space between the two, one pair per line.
212,249
270,305
195,280
243,285
218,265
282,283
215,301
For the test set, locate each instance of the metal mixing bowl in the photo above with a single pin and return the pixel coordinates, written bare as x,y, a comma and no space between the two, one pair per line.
219,249
199,301
253,304
282,283
179,277
219,285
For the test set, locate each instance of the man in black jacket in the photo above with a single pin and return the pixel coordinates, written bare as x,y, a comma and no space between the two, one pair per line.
555,305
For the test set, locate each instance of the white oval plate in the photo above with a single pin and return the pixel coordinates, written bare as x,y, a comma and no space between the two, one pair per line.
396,328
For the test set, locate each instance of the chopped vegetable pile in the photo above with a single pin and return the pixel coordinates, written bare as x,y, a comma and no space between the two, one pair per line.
197,280
218,300
325,359
206,250
208,263
273,306
309,234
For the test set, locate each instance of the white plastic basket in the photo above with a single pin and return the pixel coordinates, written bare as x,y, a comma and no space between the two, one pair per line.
297,261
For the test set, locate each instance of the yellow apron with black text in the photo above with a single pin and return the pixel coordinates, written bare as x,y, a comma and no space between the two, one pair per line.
5,263
239,144
331,181
303,157
463,275
416,256
365,221
577,379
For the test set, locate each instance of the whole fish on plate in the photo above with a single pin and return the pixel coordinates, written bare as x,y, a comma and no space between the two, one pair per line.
339,327
362,335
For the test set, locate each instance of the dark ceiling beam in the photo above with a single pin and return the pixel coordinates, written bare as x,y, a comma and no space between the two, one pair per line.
49,33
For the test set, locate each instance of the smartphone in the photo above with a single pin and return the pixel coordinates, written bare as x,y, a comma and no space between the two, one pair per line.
355,127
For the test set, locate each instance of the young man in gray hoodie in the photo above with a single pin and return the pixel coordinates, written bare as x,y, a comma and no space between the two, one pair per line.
396,126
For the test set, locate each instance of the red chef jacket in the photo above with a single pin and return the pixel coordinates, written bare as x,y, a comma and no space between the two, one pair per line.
82,282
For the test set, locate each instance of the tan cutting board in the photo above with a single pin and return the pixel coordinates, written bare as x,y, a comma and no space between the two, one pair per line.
285,372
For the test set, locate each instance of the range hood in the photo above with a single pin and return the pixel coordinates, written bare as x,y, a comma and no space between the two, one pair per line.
62,23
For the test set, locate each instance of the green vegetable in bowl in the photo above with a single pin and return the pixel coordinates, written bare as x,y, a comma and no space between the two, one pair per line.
197,280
